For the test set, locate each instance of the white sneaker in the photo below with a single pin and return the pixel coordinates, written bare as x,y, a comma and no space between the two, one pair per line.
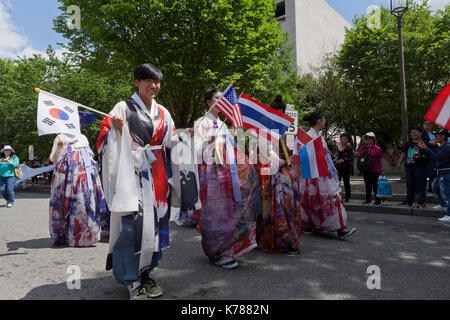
445,219
439,207
9,205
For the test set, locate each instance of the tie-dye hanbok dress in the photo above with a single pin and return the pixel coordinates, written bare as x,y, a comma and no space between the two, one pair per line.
137,179
279,222
228,193
77,205
321,201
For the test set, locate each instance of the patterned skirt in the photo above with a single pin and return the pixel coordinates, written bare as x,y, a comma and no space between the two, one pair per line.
228,228
77,206
321,204
279,223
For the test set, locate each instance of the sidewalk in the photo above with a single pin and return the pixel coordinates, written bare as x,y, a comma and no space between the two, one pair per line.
391,205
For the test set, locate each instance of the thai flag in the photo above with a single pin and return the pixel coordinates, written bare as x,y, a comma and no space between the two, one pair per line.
312,159
301,139
255,115
228,105
439,111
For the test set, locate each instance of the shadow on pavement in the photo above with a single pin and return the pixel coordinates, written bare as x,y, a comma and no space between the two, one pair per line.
11,254
104,288
42,243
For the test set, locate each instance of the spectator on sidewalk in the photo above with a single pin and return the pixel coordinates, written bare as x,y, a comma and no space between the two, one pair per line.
344,162
428,136
442,157
392,155
416,163
8,162
370,162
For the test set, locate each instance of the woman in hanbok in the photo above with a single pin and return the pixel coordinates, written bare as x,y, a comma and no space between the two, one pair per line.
279,223
321,202
228,191
135,146
77,204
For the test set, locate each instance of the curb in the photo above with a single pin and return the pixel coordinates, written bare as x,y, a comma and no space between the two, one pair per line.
395,197
406,211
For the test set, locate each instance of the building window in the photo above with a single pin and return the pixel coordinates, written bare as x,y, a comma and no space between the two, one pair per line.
280,11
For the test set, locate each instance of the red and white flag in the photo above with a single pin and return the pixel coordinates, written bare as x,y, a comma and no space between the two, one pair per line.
301,139
439,112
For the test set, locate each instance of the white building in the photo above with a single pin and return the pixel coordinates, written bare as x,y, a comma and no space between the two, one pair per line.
314,28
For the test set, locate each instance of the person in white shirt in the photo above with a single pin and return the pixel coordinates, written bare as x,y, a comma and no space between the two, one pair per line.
321,201
228,191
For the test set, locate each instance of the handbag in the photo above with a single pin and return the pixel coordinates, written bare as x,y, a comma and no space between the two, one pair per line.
384,188
18,172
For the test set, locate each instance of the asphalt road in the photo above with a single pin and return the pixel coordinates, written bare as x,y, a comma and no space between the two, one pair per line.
413,254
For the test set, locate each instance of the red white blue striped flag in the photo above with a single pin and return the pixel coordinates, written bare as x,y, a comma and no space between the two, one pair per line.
265,120
312,160
229,106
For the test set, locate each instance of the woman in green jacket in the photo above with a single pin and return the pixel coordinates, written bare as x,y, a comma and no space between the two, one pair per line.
8,162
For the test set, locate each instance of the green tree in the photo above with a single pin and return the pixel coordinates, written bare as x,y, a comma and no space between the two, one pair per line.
196,43
18,100
369,67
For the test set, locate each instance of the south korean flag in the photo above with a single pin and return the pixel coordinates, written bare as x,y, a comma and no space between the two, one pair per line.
57,115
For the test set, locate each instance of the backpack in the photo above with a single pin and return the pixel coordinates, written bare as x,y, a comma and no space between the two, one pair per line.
363,163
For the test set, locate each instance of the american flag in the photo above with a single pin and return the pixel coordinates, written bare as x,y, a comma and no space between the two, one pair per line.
229,106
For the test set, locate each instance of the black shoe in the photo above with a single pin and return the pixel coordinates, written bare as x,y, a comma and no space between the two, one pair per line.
346,233
307,231
293,251
377,203
367,202
420,206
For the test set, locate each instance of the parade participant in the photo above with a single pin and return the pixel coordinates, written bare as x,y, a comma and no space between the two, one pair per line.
228,192
8,164
442,166
320,198
134,146
279,223
372,154
77,205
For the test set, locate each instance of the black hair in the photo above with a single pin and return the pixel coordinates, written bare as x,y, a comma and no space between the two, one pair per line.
147,71
347,135
209,94
313,117
278,103
415,128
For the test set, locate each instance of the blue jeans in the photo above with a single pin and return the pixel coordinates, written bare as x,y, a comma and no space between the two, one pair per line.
7,188
444,184
437,191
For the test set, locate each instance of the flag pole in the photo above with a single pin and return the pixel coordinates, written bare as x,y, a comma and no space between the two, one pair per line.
79,105
213,106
